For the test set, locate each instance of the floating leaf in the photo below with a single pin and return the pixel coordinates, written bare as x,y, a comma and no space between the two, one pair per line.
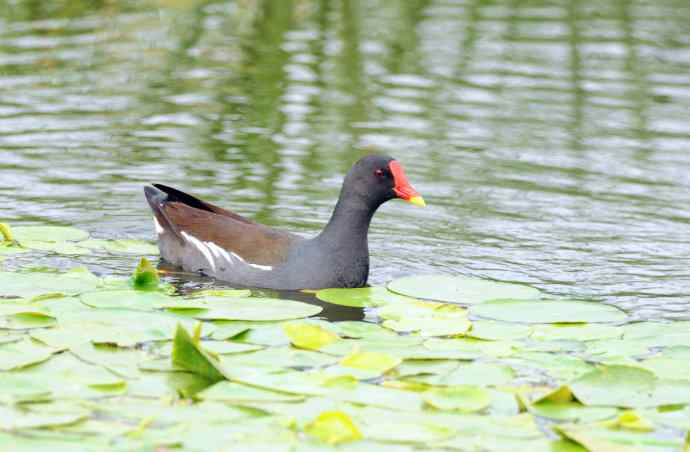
231,392
219,293
576,331
479,374
627,386
548,311
27,320
34,284
363,297
571,411
466,399
259,309
21,354
40,416
145,276
459,289
491,330
311,337
48,234
129,298
371,361
333,427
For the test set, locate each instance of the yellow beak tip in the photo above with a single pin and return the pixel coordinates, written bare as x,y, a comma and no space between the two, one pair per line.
417,201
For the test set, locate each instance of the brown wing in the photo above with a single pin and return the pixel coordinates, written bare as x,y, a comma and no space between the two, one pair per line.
174,194
253,242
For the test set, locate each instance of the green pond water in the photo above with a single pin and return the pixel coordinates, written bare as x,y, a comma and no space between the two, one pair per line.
550,140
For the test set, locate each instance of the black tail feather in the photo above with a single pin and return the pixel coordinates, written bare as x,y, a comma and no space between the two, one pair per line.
157,199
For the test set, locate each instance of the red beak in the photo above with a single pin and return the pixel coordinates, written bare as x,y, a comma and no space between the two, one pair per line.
403,189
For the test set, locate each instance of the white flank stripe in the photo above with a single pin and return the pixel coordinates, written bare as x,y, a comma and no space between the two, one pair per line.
202,248
157,225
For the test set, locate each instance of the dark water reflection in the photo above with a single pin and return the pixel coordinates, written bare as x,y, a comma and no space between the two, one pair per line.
550,138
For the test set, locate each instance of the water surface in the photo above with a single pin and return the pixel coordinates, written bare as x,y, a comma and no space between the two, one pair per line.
550,139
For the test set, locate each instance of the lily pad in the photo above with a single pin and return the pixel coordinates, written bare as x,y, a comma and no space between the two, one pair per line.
466,399
128,298
364,297
48,234
371,361
333,427
628,386
34,284
259,309
548,311
231,392
460,289
572,412
311,337
16,355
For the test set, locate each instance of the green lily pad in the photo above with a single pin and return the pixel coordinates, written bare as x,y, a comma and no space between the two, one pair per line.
628,386
220,293
364,297
35,284
27,320
466,399
16,355
48,234
124,328
40,416
491,330
129,299
576,331
572,412
259,309
460,289
548,311
231,392
476,373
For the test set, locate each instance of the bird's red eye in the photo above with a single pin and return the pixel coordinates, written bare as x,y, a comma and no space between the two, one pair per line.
379,172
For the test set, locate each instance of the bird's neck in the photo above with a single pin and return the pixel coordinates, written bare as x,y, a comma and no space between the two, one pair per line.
349,224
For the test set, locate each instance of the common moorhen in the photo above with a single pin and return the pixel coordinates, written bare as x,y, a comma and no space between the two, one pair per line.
199,236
